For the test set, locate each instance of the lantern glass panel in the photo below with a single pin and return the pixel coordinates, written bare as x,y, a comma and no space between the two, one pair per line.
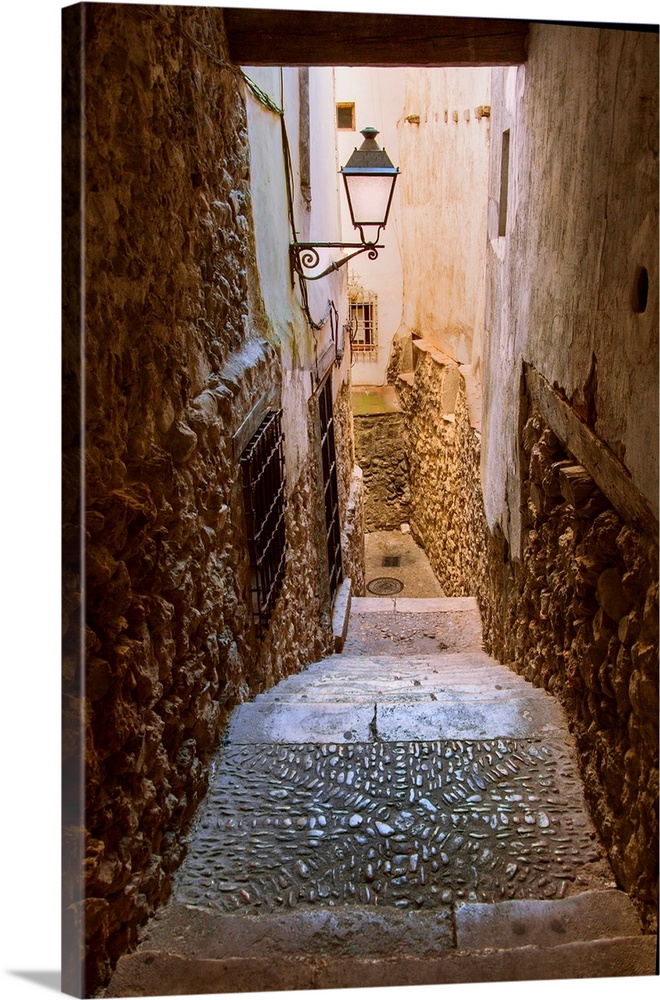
369,197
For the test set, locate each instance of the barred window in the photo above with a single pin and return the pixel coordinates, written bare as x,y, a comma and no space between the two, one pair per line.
363,312
264,494
330,490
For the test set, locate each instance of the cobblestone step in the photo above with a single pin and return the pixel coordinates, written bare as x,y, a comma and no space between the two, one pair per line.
191,949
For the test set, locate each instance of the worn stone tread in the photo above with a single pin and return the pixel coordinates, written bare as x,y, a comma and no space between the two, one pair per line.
204,932
288,722
170,974
413,605
544,923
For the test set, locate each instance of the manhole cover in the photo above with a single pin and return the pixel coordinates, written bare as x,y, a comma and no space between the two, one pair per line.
384,586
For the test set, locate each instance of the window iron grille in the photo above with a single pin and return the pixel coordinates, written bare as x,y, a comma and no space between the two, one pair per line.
264,495
330,492
364,322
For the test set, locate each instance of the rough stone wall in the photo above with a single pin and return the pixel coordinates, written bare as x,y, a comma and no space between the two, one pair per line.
446,506
579,617
173,364
380,451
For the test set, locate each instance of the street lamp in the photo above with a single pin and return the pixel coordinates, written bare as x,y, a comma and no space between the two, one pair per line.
369,179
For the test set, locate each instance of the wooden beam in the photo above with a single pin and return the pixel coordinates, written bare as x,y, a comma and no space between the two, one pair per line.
318,38
606,470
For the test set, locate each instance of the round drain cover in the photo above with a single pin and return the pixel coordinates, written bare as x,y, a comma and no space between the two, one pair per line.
384,586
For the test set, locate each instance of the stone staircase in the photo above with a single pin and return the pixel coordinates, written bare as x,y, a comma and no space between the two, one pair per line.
405,812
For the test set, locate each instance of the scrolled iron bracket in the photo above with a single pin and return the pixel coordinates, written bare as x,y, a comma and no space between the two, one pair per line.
305,257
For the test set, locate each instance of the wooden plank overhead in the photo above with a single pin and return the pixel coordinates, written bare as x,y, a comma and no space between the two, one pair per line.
330,38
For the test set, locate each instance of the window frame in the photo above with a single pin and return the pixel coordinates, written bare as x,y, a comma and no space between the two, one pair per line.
343,105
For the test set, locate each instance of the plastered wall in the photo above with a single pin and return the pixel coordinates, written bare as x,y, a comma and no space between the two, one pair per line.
582,222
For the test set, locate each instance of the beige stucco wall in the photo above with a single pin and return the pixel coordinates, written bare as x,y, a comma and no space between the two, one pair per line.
583,217
378,95
316,219
430,276
444,177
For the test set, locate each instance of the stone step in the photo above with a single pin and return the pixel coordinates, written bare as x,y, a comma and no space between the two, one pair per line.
344,695
408,664
354,691
413,605
592,934
367,677
520,717
494,681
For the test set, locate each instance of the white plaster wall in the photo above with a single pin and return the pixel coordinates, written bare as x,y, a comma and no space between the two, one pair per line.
431,276
378,95
298,344
583,215
444,183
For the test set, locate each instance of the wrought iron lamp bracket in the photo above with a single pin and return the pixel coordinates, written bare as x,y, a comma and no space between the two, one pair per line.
305,256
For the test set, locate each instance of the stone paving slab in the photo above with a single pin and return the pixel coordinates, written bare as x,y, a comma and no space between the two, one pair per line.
203,932
284,722
148,973
393,560
520,922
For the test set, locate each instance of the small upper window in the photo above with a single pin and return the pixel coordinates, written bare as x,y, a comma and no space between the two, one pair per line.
504,183
346,117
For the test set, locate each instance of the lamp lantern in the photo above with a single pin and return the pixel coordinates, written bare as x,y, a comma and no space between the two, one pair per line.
369,179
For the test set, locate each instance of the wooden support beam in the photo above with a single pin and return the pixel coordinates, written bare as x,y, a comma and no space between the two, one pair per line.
607,471
317,38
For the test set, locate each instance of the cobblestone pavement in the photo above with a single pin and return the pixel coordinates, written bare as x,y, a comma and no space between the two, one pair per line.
391,824
399,823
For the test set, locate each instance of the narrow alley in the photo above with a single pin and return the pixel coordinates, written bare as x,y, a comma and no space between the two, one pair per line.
392,816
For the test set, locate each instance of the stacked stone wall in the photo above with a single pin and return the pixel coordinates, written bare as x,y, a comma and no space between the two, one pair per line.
351,492
446,506
578,615
173,364
380,450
